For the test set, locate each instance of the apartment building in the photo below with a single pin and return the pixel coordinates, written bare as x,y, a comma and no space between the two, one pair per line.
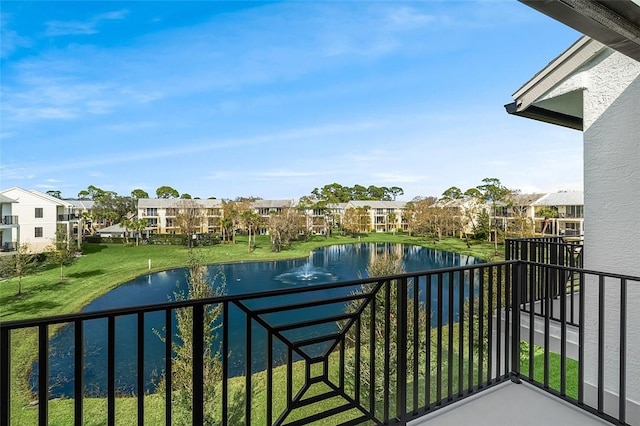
38,218
162,214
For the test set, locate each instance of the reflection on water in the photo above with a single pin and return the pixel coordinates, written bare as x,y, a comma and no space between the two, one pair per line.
329,264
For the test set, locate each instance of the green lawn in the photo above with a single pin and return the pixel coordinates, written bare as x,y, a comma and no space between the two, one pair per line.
103,267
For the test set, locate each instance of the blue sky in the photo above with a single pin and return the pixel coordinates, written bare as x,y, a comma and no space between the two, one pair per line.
273,99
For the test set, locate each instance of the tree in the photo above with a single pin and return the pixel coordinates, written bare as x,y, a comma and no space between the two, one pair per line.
493,191
19,265
186,196
283,227
189,219
384,326
114,208
395,191
127,225
56,194
182,378
91,193
333,193
452,193
139,226
251,221
167,192
62,252
137,194
356,220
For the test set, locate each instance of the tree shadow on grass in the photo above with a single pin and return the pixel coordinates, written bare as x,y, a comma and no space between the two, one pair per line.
13,304
90,248
86,274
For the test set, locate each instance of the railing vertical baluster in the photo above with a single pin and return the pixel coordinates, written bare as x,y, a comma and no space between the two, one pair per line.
5,375
601,319
198,364
547,301
451,287
416,340
269,377
356,377
111,370
563,339
490,327
427,339
387,347
225,362
516,288
168,355
439,359
532,329
372,356
507,315
290,377
622,392
472,273
460,287
342,364
401,347
140,368
581,309
78,372
43,374
249,371
481,313
500,311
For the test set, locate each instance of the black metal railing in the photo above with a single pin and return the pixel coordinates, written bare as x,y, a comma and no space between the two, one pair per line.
563,285
374,351
68,217
569,360
9,220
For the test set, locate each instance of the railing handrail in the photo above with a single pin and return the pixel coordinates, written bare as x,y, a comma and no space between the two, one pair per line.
582,270
116,312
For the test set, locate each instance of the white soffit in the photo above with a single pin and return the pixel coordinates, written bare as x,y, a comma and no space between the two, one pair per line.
556,72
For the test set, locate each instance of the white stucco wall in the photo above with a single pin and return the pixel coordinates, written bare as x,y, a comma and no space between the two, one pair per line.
612,217
24,208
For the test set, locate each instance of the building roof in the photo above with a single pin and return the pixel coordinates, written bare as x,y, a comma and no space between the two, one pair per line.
615,23
144,203
564,109
272,204
82,204
41,195
375,204
6,200
562,198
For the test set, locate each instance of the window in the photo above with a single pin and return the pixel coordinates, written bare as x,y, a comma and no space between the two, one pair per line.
152,211
37,232
39,213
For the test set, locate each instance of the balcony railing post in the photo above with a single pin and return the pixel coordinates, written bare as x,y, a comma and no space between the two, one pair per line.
198,367
5,372
401,336
518,280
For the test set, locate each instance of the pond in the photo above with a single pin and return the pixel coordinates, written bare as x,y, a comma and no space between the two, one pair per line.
334,263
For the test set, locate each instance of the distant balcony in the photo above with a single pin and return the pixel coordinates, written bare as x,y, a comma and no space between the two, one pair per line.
68,217
9,247
401,349
9,220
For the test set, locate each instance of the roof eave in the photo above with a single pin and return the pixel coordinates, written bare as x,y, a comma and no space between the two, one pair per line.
540,114
615,23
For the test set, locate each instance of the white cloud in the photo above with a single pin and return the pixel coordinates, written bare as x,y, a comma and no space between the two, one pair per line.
89,27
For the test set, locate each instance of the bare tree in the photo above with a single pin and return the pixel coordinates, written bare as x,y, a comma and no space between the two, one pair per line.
189,219
19,265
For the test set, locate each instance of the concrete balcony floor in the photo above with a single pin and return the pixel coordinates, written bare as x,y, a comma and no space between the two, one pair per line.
511,404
